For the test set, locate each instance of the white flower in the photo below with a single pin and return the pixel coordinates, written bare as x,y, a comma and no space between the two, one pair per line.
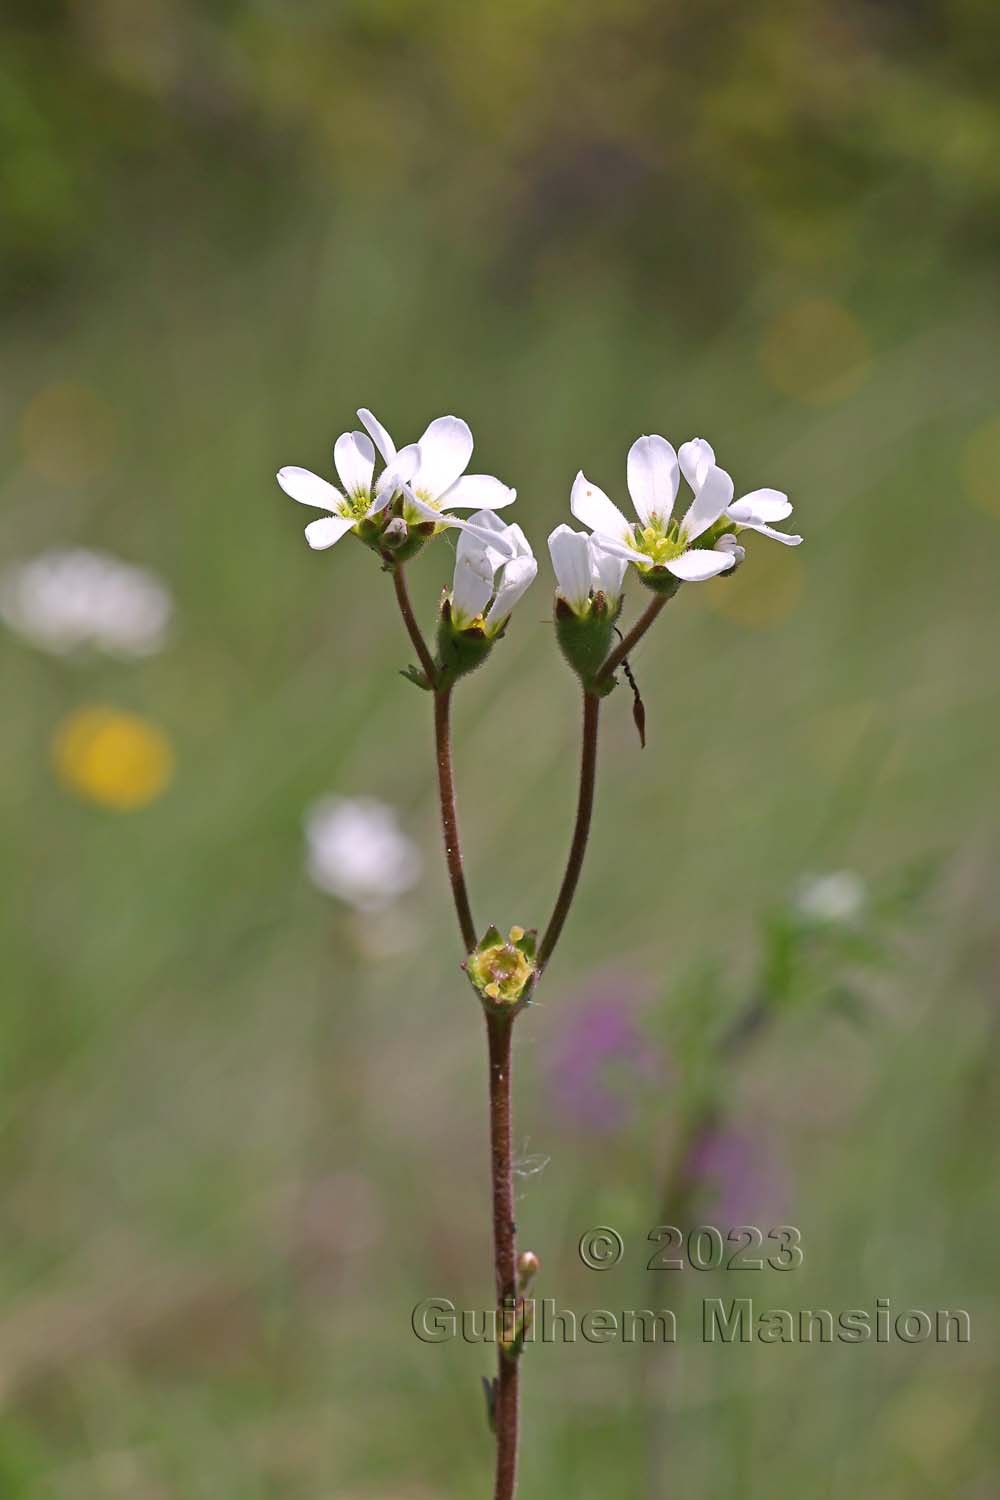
441,483
658,541
492,561
753,511
362,497
835,899
583,567
357,851
74,598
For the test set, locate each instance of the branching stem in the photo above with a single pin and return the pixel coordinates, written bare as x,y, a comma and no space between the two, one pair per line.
412,628
581,829
449,817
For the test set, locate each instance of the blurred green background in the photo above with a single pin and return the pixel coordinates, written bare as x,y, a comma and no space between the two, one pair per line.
244,1129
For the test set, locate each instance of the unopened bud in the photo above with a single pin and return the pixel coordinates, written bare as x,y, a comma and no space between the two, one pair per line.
728,543
396,533
528,1267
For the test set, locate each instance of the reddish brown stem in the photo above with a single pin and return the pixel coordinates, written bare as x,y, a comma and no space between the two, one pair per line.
635,635
505,1401
581,830
449,817
412,628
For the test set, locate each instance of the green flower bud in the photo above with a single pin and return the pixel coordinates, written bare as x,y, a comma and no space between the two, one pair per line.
459,651
586,640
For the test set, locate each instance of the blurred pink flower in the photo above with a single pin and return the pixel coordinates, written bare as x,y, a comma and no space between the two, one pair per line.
602,1060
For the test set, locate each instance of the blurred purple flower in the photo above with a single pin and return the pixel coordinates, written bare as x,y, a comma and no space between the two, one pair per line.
739,1177
602,1058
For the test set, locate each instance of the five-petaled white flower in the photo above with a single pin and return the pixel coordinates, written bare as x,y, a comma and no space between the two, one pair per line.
362,497
500,569
754,511
658,541
703,543
584,568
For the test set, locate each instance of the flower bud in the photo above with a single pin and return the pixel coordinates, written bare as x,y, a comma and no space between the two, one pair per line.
586,640
528,1267
460,649
396,533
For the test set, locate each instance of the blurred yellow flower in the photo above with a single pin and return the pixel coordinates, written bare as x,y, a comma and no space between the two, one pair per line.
68,433
816,352
981,467
114,758
762,592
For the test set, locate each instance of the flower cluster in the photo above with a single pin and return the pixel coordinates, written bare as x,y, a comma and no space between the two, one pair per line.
420,486
411,500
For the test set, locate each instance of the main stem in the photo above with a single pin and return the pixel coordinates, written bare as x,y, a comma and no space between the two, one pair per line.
449,817
581,829
499,1029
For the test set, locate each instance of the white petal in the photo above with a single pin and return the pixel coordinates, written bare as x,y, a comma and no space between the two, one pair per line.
622,550
517,539
608,571
354,456
472,587
517,577
323,534
776,536
377,433
711,499
700,563
395,475
760,505
653,477
571,562
309,489
497,539
477,491
696,458
471,542
592,506
445,450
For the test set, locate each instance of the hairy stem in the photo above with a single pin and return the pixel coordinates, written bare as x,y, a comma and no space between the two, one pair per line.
449,817
499,1029
581,830
635,635
412,628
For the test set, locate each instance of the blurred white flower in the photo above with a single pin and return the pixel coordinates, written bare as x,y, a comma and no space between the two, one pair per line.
582,566
72,598
357,851
500,570
836,899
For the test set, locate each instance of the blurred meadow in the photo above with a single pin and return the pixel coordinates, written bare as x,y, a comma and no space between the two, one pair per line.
244,1126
